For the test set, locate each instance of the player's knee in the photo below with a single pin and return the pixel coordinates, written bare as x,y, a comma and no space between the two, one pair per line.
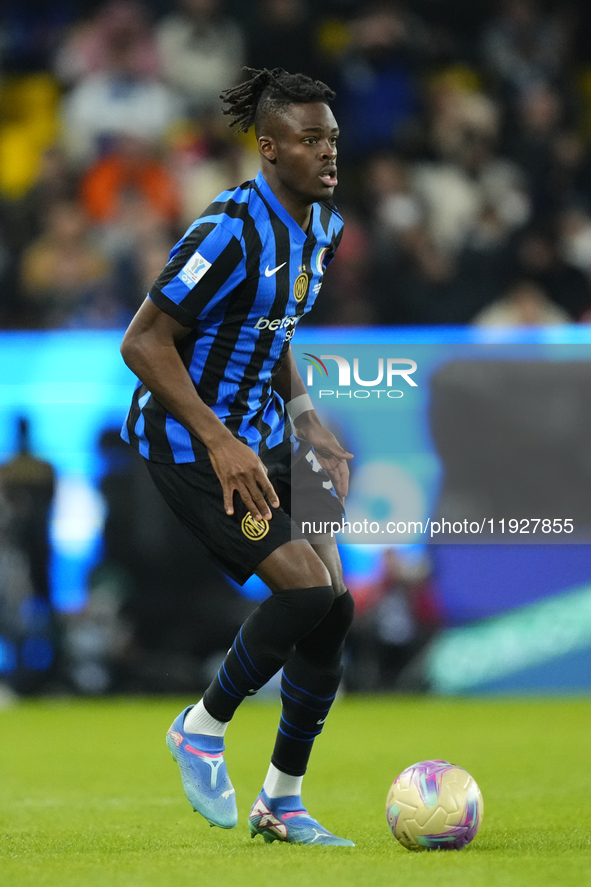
344,612
338,620
294,565
324,646
340,589
317,601
313,572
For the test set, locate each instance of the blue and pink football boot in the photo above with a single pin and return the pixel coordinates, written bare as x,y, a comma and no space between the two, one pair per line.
286,819
204,773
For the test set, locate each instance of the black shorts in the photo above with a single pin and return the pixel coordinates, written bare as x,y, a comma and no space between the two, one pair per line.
238,543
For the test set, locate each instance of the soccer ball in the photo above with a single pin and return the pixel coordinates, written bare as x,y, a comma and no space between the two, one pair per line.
434,805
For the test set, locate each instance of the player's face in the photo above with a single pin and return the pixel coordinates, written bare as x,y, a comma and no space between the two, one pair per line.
303,151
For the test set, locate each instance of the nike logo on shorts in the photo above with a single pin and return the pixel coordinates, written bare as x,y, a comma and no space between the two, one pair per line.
269,272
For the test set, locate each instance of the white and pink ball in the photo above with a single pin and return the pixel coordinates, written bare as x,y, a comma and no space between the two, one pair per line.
434,805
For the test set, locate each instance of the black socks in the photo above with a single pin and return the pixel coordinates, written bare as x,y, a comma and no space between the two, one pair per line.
264,643
304,631
308,687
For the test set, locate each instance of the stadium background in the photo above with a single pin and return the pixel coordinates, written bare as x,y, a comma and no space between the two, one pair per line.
465,183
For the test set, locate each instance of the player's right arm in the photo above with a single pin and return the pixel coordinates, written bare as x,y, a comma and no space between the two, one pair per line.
149,350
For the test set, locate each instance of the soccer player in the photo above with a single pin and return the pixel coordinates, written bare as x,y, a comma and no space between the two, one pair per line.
211,349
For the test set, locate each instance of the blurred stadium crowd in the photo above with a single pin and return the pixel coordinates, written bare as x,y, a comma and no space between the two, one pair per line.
464,159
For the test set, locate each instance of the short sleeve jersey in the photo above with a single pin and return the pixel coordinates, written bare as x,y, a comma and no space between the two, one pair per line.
240,278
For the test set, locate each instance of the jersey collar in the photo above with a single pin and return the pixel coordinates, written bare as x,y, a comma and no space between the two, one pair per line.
296,232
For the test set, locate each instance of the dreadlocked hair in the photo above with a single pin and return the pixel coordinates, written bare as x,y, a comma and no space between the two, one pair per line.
270,91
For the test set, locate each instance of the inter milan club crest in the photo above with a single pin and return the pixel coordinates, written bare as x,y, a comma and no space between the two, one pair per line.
300,287
254,529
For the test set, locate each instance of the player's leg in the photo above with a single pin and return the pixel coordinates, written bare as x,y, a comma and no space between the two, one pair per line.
309,685
302,596
312,675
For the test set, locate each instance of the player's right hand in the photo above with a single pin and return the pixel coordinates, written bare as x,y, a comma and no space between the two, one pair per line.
241,470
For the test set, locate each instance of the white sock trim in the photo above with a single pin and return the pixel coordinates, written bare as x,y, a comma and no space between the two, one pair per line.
281,785
198,720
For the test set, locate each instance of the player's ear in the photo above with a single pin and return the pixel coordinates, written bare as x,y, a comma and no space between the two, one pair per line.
267,148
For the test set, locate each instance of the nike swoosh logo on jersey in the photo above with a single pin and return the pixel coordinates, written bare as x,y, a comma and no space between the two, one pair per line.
269,272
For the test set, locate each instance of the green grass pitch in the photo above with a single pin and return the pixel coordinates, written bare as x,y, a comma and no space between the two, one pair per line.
89,795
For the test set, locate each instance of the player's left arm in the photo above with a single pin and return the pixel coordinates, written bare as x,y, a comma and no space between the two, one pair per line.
288,383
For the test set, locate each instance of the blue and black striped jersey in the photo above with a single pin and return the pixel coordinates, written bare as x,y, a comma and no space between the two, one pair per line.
241,278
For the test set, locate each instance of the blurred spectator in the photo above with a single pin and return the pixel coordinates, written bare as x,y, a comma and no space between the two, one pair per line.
456,180
150,622
55,182
27,626
8,268
575,240
569,180
29,125
97,640
392,202
132,167
60,266
101,307
540,113
202,52
28,483
452,201
148,263
134,201
281,35
539,259
208,158
377,94
135,226
525,304
30,30
458,109
115,102
394,620
465,174
415,277
137,251
417,283
485,264
87,49
525,45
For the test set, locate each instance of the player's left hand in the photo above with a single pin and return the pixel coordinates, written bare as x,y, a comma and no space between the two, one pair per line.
330,454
